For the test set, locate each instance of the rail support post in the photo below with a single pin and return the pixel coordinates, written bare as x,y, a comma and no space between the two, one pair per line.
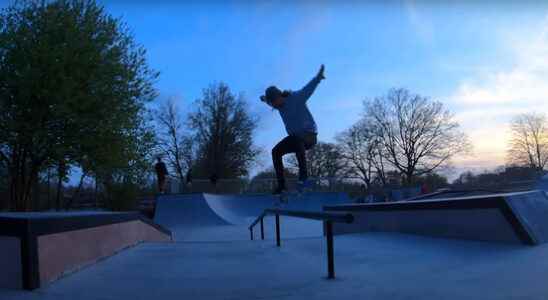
262,229
251,233
278,230
330,254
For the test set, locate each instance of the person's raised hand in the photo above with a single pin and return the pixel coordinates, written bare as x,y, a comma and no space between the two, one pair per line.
320,73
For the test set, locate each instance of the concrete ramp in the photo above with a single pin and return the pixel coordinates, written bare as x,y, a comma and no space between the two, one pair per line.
243,209
209,217
531,211
542,184
189,210
511,217
185,214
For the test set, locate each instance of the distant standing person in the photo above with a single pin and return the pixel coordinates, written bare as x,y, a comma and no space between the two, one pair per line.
299,124
188,182
213,179
189,177
161,174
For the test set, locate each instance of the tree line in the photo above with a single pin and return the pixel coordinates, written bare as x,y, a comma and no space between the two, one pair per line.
526,158
75,89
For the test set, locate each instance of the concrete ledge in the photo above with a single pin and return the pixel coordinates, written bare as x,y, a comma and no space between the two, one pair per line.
53,244
10,260
65,252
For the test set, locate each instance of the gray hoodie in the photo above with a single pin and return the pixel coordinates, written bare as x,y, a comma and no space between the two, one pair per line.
295,114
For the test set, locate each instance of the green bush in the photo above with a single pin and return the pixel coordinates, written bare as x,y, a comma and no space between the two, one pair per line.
123,197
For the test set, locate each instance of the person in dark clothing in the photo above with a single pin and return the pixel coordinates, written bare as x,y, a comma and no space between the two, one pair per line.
189,177
161,174
299,124
213,179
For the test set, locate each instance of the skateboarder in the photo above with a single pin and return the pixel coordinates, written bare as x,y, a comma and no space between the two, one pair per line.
161,173
300,127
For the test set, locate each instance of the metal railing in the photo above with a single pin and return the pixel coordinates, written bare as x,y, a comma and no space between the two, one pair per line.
327,218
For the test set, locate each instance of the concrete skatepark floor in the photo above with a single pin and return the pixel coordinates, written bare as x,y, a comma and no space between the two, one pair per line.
368,266
213,258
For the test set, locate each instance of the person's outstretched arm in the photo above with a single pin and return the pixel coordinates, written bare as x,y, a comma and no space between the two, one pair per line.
307,91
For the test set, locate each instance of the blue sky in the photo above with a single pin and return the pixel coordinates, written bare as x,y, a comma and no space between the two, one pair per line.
485,60
452,52
466,55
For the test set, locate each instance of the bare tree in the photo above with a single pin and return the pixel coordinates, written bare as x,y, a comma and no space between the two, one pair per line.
223,129
529,141
418,135
361,151
175,143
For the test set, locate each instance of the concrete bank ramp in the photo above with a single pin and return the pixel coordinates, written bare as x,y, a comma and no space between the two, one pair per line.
542,184
209,217
189,210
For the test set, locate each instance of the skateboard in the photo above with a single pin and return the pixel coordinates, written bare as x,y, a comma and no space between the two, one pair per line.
297,193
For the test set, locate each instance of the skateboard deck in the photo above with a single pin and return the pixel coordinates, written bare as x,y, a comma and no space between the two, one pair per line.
298,192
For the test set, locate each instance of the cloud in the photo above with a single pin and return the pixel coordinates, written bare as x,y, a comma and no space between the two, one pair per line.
524,84
518,86
486,103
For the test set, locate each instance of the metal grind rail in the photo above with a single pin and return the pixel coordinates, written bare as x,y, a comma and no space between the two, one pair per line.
327,218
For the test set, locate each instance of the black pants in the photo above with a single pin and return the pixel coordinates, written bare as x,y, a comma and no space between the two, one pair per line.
292,144
161,182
